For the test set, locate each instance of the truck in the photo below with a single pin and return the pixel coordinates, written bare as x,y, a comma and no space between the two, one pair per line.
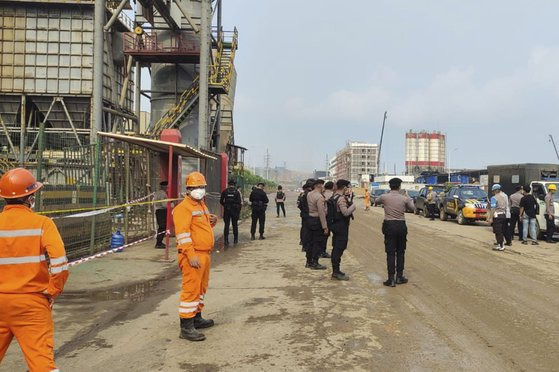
512,175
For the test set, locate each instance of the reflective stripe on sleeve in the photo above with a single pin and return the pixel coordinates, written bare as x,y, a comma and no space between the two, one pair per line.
189,310
184,241
58,269
58,260
20,233
197,213
183,235
22,260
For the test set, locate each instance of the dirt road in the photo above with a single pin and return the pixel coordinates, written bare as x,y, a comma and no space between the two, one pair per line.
465,308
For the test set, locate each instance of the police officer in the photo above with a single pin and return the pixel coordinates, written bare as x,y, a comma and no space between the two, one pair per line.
395,231
514,202
232,202
302,204
328,193
161,213
431,201
498,216
317,225
550,213
259,202
340,225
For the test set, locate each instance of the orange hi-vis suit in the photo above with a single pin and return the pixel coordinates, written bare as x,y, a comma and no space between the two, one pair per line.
195,237
367,199
32,263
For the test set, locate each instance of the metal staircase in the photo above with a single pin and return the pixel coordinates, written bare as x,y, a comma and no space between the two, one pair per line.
221,72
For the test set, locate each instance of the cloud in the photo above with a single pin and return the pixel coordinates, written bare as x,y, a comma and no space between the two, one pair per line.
455,96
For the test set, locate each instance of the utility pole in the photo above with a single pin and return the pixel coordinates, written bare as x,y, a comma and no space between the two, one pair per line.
555,147
381,137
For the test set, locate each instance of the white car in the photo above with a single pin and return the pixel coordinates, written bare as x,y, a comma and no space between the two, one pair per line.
539,190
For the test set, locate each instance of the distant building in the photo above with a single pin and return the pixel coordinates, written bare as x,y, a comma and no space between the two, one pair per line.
425,151
353,161
320,174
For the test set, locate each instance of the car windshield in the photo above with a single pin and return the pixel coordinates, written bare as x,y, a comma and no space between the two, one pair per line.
379,192
474,193
413,193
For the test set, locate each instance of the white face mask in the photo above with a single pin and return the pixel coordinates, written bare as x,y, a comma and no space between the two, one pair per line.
198,194
31,202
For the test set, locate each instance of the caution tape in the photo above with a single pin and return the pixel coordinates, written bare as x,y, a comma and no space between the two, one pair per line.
105,207
113,250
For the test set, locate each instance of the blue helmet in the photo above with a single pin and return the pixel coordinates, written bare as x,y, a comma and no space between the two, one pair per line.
496,187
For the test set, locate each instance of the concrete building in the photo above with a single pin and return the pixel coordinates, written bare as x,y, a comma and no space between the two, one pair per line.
425,151
353,161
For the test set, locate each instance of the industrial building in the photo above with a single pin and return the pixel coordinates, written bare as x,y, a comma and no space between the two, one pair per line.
355,160
425,152
70,89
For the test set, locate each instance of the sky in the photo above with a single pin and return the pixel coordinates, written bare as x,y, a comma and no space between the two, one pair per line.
314,74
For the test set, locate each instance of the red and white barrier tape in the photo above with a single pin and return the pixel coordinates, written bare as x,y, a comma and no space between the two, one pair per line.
113,250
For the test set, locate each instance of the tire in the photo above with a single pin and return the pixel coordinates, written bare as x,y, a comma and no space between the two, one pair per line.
442,215
425,212
461,219
417,210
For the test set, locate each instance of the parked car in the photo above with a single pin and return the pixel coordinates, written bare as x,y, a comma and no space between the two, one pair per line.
466,203
421,200
376,193
539,190
412,194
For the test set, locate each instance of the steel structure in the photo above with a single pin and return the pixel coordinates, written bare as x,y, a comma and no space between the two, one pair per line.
48,79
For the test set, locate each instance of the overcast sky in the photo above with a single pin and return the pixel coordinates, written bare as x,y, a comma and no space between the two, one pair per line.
313,74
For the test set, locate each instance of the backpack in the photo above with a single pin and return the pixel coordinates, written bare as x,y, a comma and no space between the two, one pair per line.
280,195
303,205
332,213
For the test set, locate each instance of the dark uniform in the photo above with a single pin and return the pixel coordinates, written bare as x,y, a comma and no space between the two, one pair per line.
302,204
395,231
232,202
259,202
317,225
161,213
340,228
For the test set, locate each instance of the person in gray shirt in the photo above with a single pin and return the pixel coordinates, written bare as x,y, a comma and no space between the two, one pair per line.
550,213
395,231
514,202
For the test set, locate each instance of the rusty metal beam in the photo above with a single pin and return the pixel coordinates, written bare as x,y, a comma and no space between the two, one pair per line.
160,6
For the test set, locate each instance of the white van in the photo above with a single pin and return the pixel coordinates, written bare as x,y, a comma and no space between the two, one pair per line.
539,190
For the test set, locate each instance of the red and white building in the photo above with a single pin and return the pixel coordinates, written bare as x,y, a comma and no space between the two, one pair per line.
425,151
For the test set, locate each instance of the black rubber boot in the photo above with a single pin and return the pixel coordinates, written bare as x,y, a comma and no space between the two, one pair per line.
200,322
390,282
236,240
261,237
252,237
188,332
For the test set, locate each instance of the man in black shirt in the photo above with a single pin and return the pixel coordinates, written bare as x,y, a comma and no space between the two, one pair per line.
259,202
232,202
528,212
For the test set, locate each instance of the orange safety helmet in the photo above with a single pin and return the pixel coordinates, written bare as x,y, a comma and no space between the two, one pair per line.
18,183
195,179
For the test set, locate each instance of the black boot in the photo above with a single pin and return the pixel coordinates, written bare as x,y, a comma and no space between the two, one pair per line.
316,266
252,237
200,322
226,242
401,279
340,276
261,237
325,255
390,282
236,240
188,332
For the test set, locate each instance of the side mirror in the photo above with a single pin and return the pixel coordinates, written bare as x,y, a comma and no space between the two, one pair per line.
541,197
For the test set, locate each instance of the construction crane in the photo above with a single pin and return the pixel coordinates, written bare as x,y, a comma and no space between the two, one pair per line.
380,145
555,147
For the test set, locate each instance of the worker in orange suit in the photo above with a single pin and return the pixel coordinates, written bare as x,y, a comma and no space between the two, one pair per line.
195,240
29,281
367,199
